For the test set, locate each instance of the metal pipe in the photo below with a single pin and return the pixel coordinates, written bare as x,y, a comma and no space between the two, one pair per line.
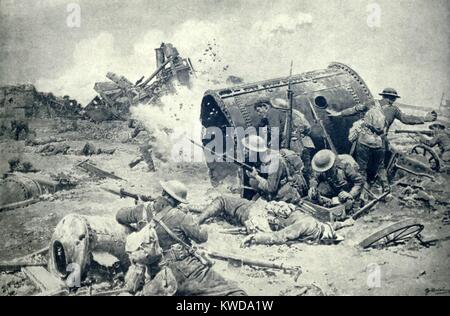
157,71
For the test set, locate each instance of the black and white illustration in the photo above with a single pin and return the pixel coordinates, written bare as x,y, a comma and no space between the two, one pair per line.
224,148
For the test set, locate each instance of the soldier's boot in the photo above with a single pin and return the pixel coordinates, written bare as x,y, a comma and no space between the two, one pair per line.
215,208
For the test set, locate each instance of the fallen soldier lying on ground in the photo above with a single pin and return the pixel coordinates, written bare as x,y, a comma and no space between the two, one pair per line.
43,141
273,222
53,149
89,149
297,227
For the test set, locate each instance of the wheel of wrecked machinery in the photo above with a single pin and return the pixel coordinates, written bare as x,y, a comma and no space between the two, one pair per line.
395,234
429,154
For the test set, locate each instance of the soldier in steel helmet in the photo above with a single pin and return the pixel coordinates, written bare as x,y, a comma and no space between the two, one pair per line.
336,176
391,113
390,109
441,139
192,275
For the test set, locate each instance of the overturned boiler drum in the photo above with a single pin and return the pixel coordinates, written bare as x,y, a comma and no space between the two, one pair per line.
336,88
78,238
16,189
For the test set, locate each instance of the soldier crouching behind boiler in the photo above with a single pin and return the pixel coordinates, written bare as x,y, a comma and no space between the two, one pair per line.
174,229
280,177
336,176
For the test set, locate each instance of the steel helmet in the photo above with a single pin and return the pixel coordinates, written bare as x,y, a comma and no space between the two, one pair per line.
175,189
390,92
323,161
255,143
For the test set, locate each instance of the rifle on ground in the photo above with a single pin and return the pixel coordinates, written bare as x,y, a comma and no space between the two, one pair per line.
297,270
407,131
319,121
125,194
369,205
290,95
234,160
235,231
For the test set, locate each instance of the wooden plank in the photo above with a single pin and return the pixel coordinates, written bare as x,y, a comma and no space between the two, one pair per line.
43,279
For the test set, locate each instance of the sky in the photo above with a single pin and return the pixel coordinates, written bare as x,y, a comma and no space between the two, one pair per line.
401,44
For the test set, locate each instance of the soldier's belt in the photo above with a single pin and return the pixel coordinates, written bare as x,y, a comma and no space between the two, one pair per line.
176,253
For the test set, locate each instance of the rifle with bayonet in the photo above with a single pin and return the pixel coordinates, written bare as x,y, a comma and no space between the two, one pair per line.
296,270
319,121
228,158
420,132
290,95
122,193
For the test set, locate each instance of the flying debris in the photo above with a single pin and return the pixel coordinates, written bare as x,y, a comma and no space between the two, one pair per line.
115,97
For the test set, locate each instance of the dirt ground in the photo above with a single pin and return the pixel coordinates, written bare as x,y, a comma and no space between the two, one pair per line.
343,269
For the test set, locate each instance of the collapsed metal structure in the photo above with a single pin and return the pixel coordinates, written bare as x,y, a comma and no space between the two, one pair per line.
117,95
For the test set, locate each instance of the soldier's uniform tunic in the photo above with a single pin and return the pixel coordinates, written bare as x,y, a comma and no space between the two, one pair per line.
391,112
275,184
368,133
298,227
345,178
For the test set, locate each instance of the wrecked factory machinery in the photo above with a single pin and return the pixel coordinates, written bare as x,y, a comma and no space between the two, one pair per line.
86,241
337,88
117,95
